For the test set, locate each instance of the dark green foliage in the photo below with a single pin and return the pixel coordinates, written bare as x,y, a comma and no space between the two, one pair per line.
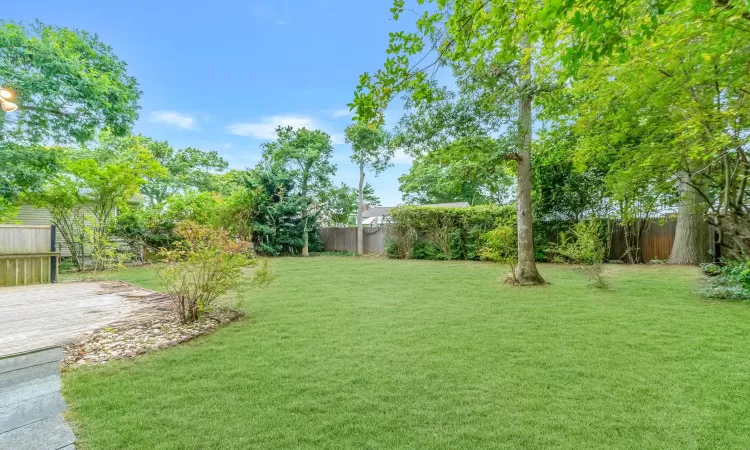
729,280
562,192
144,229
447,233
277,221
23,169
426,250
152,227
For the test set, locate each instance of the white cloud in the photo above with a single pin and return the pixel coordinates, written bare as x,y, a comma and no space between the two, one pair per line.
343,112
283,23
400,157
174,118
265,129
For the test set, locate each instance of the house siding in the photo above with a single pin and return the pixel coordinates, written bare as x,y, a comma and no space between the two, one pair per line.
31,215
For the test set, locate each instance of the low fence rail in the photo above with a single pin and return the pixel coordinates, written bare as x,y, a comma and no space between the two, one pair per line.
27,255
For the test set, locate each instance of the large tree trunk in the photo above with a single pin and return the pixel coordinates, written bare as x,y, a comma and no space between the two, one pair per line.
691,241
526,271
361,201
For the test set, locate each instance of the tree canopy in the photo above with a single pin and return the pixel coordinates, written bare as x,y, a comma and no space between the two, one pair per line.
67,84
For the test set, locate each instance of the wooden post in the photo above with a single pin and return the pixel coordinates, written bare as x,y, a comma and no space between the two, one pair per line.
53,258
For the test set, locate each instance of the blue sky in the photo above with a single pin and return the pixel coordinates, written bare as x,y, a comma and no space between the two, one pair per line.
221,75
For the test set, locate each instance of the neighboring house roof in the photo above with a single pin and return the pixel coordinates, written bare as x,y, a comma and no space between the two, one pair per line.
377,211
382,211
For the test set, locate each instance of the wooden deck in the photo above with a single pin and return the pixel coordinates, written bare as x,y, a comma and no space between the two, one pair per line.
46,315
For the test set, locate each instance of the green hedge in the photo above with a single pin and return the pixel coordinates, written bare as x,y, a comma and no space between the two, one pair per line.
428,232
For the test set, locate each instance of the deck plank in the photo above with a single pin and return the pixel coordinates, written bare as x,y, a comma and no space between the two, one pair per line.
46,315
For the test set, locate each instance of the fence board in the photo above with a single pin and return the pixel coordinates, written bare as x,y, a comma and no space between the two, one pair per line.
345,239
655,244
26,256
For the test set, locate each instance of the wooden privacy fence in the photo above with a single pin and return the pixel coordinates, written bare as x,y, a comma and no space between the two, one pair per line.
345,239
27,255
655,242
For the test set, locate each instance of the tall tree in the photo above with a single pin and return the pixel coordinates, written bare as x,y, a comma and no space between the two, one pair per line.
675,114
187,168
458,156
343,204
67,84
370,150
493,46
463,171
306,156
109,180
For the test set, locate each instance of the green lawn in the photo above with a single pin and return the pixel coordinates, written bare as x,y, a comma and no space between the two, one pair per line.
342,353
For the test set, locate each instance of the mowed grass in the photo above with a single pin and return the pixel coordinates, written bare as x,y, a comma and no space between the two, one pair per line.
346,353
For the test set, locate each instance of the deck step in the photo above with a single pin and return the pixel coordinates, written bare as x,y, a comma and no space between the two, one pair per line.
52,433
31,404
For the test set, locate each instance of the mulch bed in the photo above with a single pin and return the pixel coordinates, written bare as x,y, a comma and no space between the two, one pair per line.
154,327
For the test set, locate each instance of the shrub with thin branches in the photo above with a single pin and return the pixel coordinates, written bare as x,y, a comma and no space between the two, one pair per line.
205,264
586,248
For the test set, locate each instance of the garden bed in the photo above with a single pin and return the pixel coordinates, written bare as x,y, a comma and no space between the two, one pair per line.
153,328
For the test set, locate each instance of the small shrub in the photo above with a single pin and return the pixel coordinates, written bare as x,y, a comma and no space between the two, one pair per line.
728,280
105,254
401,239
427,250
264,275
205,264
500,245
585,248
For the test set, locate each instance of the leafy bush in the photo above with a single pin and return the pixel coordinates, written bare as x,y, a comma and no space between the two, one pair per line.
204,265
105,254
586,248
427,250
456,233
500,245
400,238
263,276
728,280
